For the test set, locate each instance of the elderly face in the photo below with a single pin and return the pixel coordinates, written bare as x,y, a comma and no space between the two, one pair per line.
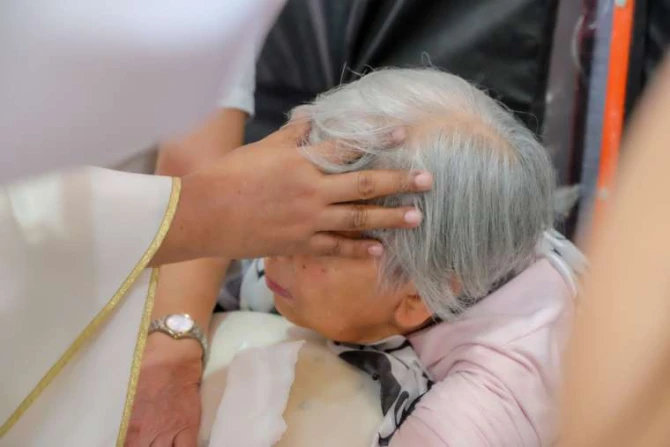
341,298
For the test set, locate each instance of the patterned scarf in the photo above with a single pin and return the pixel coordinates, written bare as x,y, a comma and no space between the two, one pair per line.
402,379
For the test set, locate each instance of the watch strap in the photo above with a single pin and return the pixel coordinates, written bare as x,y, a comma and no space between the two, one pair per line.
195,333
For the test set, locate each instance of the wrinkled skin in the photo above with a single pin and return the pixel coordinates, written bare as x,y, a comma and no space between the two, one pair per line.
167,408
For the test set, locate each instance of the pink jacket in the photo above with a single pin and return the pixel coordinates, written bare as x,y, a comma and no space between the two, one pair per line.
497,368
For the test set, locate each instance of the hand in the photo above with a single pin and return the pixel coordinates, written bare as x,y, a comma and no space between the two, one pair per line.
266,198
166,410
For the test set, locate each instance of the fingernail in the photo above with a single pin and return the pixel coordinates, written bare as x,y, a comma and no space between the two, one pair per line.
398,135
376,250
423,180
413,217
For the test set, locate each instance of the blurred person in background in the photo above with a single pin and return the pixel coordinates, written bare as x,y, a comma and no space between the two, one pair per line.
618,377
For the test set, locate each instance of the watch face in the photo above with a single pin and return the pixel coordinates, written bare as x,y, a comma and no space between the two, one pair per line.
179,323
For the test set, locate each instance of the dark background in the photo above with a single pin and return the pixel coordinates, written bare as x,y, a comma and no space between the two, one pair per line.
533,55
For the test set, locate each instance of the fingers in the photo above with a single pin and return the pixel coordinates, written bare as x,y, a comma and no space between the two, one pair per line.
341,151
294,133
368,217
366,185
186,438
163,440
335,151
325,244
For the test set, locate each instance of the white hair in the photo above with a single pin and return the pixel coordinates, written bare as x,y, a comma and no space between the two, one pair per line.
493,181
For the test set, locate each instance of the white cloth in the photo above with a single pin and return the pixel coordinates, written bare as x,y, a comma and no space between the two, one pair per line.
69,242
240,93
230,334
257,390
325,388
93,82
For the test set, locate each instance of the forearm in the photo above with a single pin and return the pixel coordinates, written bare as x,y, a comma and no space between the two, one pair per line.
189,235
192,287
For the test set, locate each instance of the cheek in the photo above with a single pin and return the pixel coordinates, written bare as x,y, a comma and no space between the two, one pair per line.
316,280
336,297
339,287
344,302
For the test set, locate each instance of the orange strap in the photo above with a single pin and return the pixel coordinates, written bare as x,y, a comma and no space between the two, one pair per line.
615,100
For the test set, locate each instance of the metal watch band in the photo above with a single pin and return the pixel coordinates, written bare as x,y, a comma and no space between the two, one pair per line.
195,332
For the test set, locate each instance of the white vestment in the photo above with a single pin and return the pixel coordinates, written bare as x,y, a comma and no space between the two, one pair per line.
75,302
92,82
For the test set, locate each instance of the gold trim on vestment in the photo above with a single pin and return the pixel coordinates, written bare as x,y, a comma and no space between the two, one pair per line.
101,317
137,358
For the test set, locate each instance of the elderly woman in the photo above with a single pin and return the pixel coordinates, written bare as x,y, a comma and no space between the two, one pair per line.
463,320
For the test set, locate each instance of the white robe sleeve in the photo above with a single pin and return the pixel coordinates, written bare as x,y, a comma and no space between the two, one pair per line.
93,82
75,301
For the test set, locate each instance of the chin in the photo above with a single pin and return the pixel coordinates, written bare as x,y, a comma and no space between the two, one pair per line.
288,312
284,310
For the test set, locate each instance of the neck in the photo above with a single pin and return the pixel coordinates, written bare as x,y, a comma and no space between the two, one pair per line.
374,336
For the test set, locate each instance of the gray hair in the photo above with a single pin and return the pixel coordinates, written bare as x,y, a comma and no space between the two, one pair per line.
493,181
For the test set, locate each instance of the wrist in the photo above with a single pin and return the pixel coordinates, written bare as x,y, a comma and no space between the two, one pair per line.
162,349
187,238
201,216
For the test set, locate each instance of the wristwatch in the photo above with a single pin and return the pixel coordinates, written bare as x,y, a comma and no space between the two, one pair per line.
180,326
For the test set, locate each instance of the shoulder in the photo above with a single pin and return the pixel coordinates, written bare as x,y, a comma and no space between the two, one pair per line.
472,407
531,315
501,361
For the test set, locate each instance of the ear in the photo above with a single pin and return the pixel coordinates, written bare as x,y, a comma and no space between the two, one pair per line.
411,312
